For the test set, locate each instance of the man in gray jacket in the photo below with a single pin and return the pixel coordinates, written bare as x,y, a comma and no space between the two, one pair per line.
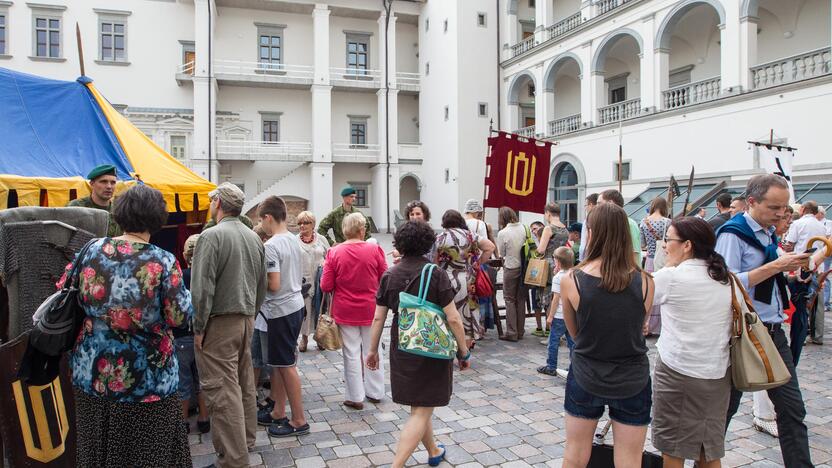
228,284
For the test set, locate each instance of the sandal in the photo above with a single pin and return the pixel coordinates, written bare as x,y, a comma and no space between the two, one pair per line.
547,370
304,342
354,405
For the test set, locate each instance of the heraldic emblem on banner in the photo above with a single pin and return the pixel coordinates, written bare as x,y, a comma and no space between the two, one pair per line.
517,172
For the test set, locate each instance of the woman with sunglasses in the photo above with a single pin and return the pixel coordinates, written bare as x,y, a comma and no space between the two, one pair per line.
314,248
691,382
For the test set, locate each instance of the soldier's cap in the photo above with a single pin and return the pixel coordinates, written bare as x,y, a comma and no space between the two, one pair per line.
230,195
347,191
98,171
473,206
575,227
190,244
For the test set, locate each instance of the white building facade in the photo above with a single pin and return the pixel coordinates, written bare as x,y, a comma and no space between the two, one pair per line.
290,98
679,83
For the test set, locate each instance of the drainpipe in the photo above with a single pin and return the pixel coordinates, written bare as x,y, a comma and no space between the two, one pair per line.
499,68
210,84
387,7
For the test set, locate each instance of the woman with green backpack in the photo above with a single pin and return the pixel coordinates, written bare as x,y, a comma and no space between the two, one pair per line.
425,336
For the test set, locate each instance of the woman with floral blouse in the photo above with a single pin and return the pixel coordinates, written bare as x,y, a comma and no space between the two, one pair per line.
124,369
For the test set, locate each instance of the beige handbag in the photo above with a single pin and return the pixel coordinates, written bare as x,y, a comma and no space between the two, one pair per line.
537,273
755,361
327,334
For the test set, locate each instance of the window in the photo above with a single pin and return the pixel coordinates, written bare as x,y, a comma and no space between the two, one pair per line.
3,34
481,19
531,90
427,24
269,46
447,112
358,131
427,68
680,76
271,130
625,171
445,27
482,109
361,197
177,146
47,37
564,191
531,3
617,88
112,39
358,53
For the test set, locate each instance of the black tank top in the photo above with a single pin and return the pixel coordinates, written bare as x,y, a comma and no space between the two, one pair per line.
610,355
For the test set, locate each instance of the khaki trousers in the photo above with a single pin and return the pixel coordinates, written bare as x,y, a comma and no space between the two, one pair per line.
227,380
515,294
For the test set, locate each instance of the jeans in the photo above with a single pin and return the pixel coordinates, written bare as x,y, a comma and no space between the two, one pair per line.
558,330
800,320
827,289
486,313
790,410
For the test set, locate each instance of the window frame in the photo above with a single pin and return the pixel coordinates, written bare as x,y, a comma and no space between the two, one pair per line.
272,31
268,116
482,109
358,37
445,25
482,15
614,83
4,37
360,140
188,46
171,146
626,170
427,68
427,24
447,113
112,17
48,13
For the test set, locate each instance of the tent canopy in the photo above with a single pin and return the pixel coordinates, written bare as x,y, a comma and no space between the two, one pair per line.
54,132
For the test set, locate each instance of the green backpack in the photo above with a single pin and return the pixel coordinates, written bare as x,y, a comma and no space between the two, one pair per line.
527,251
423,328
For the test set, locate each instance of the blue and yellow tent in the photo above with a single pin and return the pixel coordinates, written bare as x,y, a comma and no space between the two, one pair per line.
53,132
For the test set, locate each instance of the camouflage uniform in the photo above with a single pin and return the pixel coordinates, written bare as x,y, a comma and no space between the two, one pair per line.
334,220
113,229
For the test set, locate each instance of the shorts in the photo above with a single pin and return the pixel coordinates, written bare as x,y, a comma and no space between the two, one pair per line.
257,349
632,411
280,347
188,375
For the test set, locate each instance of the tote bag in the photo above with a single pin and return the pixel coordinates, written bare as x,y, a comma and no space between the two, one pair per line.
423,329
537,273
755,361
327,333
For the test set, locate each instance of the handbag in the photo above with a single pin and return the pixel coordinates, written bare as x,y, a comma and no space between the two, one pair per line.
423,328
327,334
483,283
537,273
755,361
60,316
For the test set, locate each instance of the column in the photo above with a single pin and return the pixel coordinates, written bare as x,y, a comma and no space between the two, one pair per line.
730,55
599,94
511,36
378,194
648,84
586,10
587,98
661,76
542,19
320,202
748,51
320,25
541,101
390,40
205,92
388,125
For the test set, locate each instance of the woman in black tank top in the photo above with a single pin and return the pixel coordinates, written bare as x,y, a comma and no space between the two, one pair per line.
607,299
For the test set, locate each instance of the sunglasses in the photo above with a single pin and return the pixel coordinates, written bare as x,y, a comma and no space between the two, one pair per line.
305,222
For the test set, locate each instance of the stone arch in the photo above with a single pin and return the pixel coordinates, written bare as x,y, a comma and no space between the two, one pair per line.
511,7
558,62
749,8
570,210
670,21
601,53
514,88
412,175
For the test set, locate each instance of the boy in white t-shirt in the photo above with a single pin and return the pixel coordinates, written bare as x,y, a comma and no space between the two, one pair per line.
564,260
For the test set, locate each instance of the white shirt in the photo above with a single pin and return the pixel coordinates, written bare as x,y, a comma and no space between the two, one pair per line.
510,241
696,320
284,255
477,227
556,290
804,229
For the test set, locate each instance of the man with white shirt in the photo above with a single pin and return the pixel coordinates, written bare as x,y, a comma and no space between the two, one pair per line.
797,238
816,317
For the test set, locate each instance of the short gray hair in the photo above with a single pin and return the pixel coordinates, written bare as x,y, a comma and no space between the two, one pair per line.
759,185
352,225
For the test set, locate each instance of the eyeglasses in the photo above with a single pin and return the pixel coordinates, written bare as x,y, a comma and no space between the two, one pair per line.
300,223
667,239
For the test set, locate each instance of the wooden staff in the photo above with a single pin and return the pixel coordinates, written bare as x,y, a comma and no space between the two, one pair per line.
80,48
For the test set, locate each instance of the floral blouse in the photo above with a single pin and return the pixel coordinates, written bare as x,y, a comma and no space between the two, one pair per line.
133,295
457,252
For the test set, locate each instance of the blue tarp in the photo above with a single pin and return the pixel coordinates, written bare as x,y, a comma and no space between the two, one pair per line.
51,128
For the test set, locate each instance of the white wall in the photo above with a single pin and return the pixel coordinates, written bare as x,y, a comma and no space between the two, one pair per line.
807,25
565,8
248,102
353,103
236,35
408,110
407,47
567,96
260,175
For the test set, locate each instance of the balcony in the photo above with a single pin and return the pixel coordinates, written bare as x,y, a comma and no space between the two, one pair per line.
410,153
693,93
606,6
565,125
247,150
349,153
408,83
523,46
563,26
527,132
260,74
795,68
356,78
623,110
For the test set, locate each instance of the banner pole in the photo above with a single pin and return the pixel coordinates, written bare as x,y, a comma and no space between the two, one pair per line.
620,156
487,154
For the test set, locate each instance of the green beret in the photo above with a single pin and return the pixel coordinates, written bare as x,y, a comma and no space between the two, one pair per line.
347,191
104,169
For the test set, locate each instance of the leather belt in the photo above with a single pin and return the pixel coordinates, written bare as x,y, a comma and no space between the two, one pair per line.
773,327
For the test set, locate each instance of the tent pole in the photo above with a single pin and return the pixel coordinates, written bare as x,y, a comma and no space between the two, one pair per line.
80,48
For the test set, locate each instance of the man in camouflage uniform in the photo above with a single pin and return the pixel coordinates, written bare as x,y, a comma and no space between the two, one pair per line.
336,217
102,188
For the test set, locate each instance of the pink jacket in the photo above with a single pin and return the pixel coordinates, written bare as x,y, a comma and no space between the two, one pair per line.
352,273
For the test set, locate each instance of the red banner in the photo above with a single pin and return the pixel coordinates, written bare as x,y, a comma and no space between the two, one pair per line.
517,173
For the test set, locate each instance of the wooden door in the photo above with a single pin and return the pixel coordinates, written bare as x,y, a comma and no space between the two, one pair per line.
190,62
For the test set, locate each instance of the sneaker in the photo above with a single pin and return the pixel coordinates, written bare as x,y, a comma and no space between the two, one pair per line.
267,404
562,373
547,370
265,419
767,426
544,342
287,430
538,332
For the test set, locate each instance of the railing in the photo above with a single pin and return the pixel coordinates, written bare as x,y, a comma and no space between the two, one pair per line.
605,6
795,68
260,69
562,27
619,111
527,132
186,68
346,152
565,125
525,45
408,79
410,151
264,150
692,93
356,77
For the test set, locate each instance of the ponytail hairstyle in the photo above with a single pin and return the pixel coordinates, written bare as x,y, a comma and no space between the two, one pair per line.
701,236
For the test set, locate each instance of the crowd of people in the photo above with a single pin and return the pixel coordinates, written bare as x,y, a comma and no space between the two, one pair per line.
157,338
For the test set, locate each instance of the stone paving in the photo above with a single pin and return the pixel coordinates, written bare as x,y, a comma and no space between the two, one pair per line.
503,413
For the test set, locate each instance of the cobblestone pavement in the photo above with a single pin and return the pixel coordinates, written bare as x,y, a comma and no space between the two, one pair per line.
502,413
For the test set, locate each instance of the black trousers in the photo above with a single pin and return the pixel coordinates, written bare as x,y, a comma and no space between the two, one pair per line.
789,408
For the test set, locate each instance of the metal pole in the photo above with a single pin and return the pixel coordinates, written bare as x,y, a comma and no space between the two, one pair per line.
387,7
499,68
210,84
620,155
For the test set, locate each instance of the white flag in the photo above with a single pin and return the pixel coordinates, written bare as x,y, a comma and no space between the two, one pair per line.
778,161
